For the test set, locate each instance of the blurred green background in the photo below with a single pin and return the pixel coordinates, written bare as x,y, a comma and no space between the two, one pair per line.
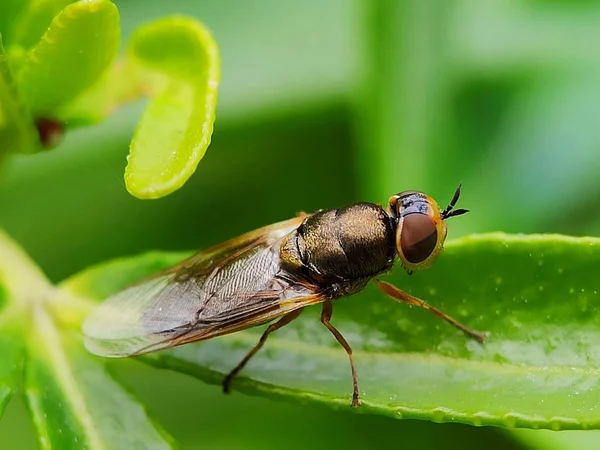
325,102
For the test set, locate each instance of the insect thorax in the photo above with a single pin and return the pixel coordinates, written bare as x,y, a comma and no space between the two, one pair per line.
348,243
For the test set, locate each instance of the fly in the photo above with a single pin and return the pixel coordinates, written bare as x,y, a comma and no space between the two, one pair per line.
273,273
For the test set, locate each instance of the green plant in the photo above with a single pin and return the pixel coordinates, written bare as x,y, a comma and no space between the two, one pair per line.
535,294
65,74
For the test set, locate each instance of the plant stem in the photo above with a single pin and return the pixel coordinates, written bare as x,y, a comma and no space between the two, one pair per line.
402,93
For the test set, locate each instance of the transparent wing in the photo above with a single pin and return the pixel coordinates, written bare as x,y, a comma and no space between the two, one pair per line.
232,286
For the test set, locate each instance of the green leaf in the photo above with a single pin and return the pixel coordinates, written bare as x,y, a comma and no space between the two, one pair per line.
17,133
536,295
12,325
73,400
11,349
549,440
10,11
34,19
72,55
180,62
120,85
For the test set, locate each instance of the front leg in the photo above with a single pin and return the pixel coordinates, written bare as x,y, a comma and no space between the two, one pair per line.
404,297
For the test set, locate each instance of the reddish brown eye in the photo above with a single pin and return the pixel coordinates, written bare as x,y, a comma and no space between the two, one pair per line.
418,238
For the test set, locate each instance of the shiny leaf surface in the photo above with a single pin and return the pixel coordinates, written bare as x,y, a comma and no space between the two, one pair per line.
534,295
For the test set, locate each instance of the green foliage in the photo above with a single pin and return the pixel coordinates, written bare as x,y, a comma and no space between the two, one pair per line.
84,36
175,130
73,400
16,132
59,66
412,365
541,348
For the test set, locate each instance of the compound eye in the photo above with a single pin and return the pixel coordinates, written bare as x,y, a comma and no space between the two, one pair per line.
418,237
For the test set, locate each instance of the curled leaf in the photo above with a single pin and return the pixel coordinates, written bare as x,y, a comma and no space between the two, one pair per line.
73,54
33,19
179,61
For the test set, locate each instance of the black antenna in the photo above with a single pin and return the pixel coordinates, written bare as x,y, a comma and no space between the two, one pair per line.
450,211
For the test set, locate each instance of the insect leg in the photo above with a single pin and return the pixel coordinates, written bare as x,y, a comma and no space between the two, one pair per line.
325,319
273,327
401,296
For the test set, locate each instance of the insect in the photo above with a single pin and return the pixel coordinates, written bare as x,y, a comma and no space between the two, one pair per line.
273,273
